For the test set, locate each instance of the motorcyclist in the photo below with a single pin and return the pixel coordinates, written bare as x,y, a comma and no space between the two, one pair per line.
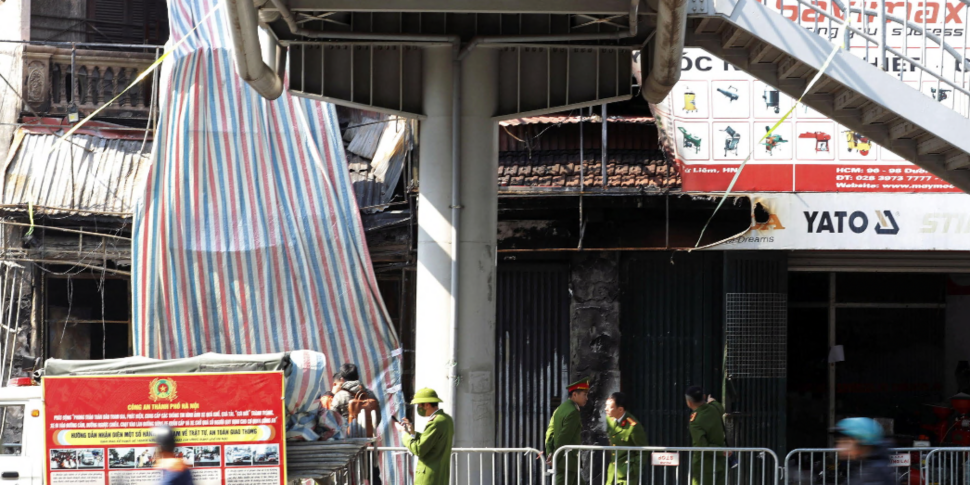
174,469
861,440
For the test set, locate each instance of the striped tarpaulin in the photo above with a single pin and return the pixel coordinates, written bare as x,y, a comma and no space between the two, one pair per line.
249,239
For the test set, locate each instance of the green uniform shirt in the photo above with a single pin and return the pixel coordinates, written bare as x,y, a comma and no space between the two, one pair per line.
433,449
565,428
626,432
707,431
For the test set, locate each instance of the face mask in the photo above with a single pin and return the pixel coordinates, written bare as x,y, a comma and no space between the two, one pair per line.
422,411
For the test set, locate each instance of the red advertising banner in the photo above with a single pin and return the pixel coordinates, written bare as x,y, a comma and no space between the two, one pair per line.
229,427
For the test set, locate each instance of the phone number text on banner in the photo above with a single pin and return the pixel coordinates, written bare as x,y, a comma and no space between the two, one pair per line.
229,427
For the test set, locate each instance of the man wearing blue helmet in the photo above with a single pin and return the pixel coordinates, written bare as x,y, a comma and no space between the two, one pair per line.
861,440
174,469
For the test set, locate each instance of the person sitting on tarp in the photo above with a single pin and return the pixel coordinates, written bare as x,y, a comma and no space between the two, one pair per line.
350,397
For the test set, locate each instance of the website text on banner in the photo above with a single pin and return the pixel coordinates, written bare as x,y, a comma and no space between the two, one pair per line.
713,116
229,427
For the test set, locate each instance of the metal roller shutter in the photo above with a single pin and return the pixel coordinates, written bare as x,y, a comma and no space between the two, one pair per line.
880,261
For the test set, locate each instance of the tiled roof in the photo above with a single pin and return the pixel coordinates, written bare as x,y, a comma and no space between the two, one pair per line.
546,157
566,119
628,169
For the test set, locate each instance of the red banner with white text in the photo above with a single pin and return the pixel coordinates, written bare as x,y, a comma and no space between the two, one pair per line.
229,427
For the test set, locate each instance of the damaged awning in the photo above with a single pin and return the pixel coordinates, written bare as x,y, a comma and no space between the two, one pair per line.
377,146
96,171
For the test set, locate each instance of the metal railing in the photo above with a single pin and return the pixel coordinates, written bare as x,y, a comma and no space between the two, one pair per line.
826,466
64,78
598,465
948,466
469,466
497,466
928,45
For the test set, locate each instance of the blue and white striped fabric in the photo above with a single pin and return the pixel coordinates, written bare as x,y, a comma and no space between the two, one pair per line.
249,239
306,381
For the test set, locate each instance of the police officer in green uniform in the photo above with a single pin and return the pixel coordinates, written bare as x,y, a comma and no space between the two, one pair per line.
624,430
433,446
565,429
706,431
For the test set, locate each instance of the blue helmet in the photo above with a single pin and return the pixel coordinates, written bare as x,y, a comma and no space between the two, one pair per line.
864,430
164,437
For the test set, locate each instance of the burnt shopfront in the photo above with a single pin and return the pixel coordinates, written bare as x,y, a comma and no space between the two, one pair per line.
792,337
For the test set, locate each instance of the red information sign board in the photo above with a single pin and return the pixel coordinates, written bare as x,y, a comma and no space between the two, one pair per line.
229,427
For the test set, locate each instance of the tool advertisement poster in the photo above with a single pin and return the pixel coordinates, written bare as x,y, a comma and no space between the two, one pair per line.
229,427
716,113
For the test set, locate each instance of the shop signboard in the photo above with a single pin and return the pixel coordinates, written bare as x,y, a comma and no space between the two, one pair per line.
912,222
229,427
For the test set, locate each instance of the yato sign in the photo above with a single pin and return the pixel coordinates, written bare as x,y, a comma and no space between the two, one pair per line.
871,222
837,222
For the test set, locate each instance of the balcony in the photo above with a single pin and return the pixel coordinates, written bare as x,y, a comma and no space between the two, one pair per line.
51,89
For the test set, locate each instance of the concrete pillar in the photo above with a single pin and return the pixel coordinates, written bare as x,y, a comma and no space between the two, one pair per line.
433,299
594,335
15,25
477,240
473,403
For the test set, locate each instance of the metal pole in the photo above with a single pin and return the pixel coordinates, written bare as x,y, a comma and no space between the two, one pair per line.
455,286
666,218
582,178
603,143
74,82
883,62
831,346
582,171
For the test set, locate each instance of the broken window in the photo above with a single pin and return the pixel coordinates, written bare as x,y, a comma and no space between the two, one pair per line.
88,315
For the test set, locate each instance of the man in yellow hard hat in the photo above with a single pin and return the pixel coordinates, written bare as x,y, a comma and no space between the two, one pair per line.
433,445
565,429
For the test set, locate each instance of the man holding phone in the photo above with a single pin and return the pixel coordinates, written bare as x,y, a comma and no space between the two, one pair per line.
433,445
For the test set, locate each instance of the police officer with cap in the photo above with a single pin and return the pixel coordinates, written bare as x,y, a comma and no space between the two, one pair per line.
433,445
861,441
174,470
706,431
565,429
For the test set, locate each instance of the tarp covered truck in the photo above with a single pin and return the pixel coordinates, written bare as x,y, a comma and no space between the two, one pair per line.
89,422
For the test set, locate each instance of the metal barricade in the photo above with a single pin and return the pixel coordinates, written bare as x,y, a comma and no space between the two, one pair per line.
371,468
948,466
826,466
469,466
604,465
496,466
